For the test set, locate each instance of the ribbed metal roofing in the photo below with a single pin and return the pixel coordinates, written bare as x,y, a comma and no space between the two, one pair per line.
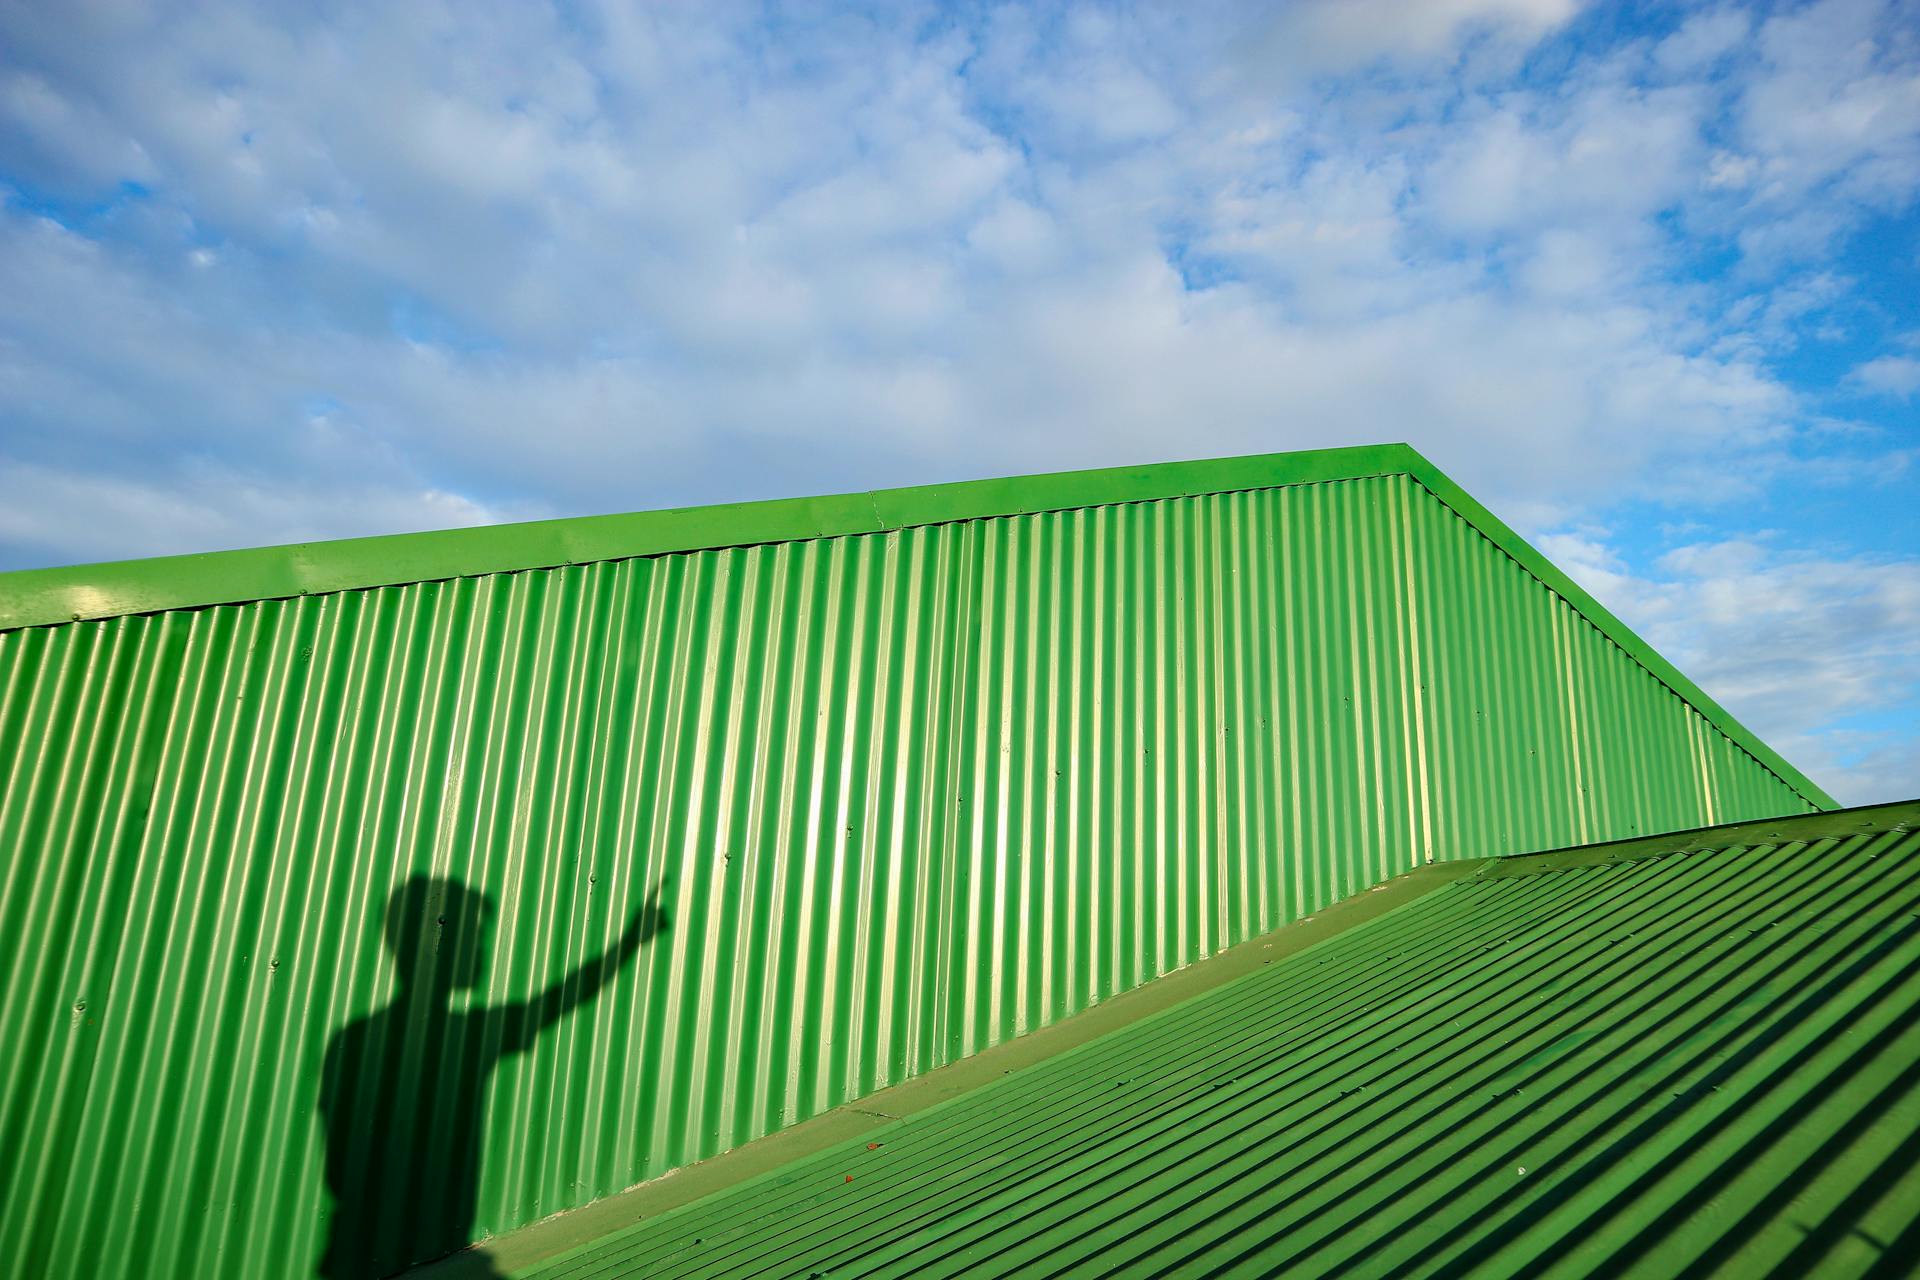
1697,1062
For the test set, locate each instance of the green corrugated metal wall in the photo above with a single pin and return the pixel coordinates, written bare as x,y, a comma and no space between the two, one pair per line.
915,792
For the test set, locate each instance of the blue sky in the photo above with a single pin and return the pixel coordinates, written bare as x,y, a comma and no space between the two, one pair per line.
1645,278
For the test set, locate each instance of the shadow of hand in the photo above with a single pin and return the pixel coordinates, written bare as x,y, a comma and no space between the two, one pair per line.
649,918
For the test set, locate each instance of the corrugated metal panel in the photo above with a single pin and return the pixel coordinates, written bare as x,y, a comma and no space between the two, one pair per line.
912,793
1693,1064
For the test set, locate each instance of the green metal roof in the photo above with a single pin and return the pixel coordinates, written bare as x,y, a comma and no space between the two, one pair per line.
1689,1054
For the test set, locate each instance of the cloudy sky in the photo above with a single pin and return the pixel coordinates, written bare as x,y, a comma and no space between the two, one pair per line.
1644,278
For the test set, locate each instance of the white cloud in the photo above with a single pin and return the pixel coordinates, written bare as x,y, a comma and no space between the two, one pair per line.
1860,766
1834,104
1322,37
1612,156
1897,376
206,507
282,274
1794,643
1702,40
1728,170
605,258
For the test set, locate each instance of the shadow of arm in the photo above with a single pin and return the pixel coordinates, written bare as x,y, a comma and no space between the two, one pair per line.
523,1021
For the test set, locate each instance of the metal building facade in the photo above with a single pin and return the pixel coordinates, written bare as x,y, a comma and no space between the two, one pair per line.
920,772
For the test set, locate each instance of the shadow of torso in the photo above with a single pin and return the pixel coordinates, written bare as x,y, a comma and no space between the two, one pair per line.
402,1114
403,1089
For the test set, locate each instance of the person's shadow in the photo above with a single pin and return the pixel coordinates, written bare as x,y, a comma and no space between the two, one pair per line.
403,1088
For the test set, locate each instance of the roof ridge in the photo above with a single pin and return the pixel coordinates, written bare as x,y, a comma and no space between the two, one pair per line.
83,593
1866,820
43,597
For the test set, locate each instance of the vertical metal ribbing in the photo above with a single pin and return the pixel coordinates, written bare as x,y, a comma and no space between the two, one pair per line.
913,793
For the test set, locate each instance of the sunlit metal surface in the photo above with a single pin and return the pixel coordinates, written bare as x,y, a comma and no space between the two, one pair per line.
911,793
1693,1064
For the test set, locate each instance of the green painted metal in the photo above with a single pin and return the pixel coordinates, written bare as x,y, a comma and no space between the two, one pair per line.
43,597
1690,1063
904,794
525,1248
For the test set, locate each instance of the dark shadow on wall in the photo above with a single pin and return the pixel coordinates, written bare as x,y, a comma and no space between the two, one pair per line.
403,1088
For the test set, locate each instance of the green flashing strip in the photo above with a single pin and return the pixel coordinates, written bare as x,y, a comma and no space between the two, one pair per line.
45,597
39,597
1803,828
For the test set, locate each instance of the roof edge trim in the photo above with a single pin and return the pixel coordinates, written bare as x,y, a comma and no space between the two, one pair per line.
1523,552
1799,828
85,593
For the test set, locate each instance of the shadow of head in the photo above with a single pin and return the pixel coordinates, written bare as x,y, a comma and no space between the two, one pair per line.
439,932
